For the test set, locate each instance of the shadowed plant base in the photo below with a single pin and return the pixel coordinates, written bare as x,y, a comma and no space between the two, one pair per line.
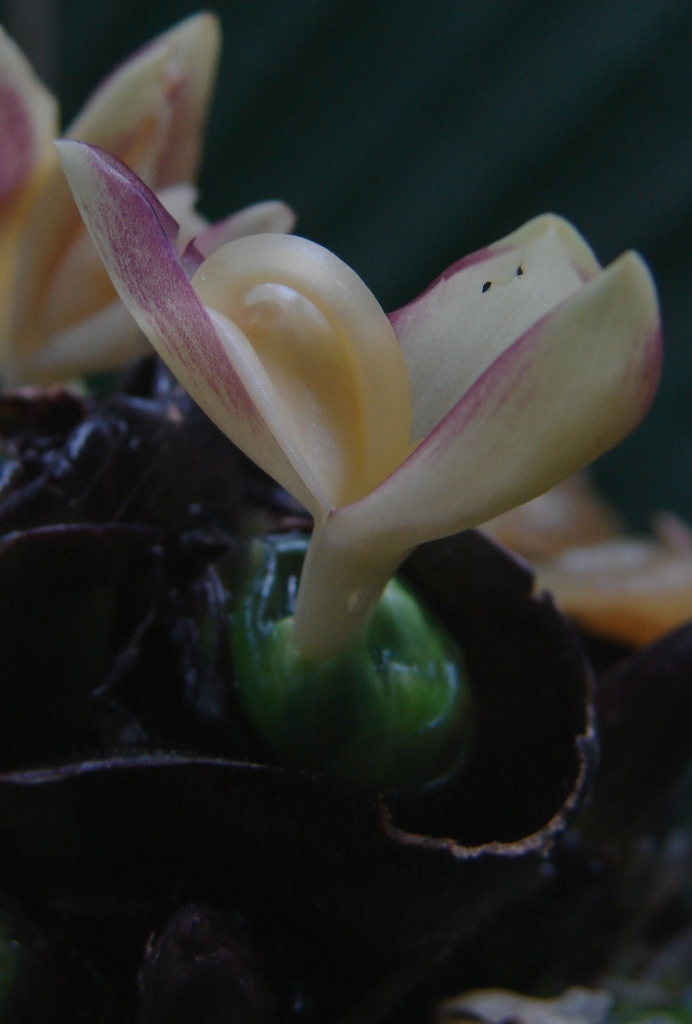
393,711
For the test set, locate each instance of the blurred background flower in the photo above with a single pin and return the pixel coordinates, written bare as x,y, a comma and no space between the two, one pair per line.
405,135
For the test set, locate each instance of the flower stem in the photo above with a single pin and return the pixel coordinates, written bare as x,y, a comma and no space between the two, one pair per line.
339,589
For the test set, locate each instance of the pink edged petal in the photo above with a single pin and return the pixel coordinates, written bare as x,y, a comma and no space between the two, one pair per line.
28,122
271,217
152,110
150,113
58,288
451,333
146,271
168,223
191,260
568,390
199,239
329,349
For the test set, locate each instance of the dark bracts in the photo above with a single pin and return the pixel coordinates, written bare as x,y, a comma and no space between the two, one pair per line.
133,786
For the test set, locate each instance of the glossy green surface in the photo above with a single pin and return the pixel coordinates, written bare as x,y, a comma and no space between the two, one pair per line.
394,711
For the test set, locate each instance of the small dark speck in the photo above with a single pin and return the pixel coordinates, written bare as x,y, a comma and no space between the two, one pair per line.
520,270
486,286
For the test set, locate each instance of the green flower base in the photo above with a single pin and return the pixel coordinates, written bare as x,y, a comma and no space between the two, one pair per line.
394,711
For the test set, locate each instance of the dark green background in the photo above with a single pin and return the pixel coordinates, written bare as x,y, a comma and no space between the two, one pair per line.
406,134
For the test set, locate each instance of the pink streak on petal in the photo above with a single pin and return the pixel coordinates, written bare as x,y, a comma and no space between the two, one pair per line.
650,368
271,217
141,254
178,130
17,144
191,260
175,89
505,376
169,224
216,235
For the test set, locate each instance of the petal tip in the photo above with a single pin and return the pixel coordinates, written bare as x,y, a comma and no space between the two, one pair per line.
581,253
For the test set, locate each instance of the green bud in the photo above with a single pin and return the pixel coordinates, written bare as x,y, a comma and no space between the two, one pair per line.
394,711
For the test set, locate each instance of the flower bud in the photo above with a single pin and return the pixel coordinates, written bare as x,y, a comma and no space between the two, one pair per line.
393,711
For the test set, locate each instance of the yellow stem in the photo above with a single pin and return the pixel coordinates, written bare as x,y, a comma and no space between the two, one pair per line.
339,588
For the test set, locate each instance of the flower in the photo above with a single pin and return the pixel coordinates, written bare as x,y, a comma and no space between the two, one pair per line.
569,515
521,363
60,314
625,588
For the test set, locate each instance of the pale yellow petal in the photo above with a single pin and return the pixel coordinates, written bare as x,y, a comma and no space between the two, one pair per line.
151,112
573,386
567,515
453,332
628,590
102,342
270,217
28,125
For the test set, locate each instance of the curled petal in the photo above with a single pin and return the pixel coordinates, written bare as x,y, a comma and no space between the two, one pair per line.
144,266
272,217
328,350
480,306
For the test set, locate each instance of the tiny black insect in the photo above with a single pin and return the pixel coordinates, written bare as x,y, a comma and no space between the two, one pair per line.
486,286
520,270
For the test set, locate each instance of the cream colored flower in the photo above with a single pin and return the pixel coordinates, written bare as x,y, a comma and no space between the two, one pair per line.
60,313
520,364
618,586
